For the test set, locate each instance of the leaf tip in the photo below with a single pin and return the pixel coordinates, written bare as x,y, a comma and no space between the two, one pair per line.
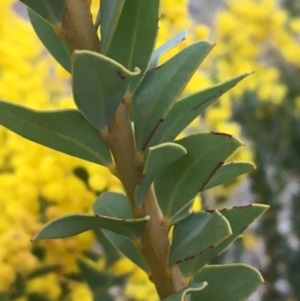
136,71
240,142
35,238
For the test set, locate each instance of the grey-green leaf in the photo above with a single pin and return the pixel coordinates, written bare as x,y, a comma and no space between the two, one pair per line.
73,224
99,84
50,10
239,218
182,214
116,205
134,38
64,130
166,47
112,255
234,282
185,110
196,234
113,204
158,158
128,248
228,172
205,154
55,45
110,13
160,89
192,288
97,280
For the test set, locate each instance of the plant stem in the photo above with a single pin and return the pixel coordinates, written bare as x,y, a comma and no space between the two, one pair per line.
157,248
77,27
155,242
119,136
121,142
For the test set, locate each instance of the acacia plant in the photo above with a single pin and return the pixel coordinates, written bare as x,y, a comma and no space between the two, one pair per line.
129,113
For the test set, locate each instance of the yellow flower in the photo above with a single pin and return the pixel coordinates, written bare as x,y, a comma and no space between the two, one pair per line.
202,32
122,266
47,285
249,240
81,292
7,276
197,205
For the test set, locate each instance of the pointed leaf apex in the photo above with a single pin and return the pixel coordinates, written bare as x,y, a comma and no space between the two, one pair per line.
240,142
240,162
79,53
265,207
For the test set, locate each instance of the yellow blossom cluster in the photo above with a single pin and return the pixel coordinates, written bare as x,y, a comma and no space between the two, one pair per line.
262,34
251,35
38,184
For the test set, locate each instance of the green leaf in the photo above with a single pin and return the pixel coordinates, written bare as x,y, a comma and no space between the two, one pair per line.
113,204
50,10
180,296
116,205
18,287
99,282
111,252
55,45
134,38
73,224
99,84
234,282
182,214
128,248
158,158
166,47
228,172
180,182
239,218
196,234
64,130
96,280
160,89
185,110
110,14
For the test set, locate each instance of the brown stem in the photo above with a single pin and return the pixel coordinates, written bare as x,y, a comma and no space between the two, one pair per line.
121,142
156,249
77,27
155,242
80,34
